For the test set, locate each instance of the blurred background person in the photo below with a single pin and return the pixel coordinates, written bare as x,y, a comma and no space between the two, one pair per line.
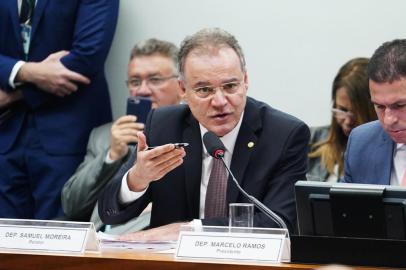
53,91
152,72
351,107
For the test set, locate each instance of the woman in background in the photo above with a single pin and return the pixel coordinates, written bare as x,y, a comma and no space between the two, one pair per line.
351,107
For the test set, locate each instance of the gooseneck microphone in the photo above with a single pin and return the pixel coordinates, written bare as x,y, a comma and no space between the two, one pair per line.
214,145
216,149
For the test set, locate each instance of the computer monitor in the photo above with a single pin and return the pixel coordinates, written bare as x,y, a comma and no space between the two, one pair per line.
351,210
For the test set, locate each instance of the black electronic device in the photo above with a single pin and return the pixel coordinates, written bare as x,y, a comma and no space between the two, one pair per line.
351,210
354,224
140,107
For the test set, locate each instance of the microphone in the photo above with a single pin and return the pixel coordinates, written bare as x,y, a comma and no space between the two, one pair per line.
216,149
213,145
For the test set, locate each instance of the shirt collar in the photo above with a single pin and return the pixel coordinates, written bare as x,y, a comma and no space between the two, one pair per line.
400,146
228,140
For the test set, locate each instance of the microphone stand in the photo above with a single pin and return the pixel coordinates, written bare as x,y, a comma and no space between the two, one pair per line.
268,212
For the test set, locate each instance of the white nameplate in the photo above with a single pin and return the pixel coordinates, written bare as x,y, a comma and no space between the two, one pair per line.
232,246
48,236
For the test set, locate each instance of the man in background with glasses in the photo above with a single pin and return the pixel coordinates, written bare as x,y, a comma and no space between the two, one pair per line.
265,147
376,151
152,73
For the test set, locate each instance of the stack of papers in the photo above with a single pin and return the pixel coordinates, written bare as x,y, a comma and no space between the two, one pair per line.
109,241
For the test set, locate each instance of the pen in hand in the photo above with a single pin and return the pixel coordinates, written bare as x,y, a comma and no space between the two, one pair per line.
177,145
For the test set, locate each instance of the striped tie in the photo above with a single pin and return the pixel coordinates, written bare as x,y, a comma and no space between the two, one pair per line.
215,204
27,11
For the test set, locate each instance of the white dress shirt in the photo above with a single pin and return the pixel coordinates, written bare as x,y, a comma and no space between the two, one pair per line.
127,196
399,165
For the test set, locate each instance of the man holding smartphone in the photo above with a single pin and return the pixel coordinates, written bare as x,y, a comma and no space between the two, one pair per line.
152,73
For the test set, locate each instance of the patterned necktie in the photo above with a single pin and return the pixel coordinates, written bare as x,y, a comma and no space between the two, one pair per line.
26,15
215,204
27,11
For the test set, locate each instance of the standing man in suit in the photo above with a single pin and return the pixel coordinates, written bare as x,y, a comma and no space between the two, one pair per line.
152,72
53,92
376,151
266,148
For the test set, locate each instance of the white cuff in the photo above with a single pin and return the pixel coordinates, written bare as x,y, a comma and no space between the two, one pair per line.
14,72
196,223
108,160
126,195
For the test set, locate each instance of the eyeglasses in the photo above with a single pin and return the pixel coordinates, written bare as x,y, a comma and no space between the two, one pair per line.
227,89
154,81
340,114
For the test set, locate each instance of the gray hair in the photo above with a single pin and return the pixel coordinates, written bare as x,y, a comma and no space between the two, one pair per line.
388,63
155,46
205,40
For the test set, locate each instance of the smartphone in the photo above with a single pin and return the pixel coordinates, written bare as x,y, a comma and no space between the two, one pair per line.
140,107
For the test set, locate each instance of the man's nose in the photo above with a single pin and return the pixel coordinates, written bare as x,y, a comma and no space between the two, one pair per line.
389,117
219,99
144,90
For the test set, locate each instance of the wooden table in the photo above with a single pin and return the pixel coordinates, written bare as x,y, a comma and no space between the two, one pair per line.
123,260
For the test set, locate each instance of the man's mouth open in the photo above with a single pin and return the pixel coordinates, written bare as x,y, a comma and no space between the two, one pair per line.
220,116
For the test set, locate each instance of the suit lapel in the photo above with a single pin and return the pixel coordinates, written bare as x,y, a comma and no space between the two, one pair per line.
193,165
38,11
15,18
383,169
242,152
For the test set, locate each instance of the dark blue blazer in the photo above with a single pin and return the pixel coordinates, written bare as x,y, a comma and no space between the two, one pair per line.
369,155
83,27
267,171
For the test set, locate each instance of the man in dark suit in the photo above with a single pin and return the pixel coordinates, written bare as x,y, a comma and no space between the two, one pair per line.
52,93
265,147
376,151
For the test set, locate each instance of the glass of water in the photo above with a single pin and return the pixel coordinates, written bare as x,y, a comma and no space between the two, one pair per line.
241,215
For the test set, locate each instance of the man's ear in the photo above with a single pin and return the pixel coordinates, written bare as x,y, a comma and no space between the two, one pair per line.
246,80
182,90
